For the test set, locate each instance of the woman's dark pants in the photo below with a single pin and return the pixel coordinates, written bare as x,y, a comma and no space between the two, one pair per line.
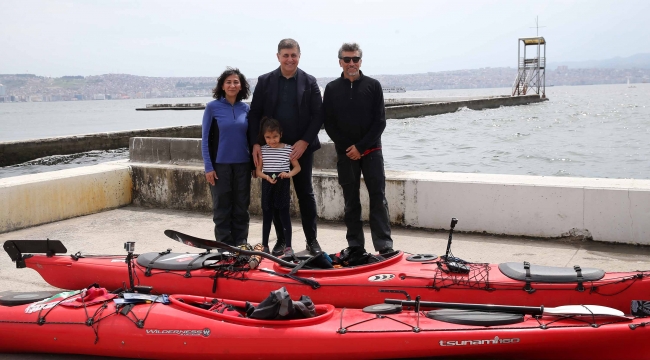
230,200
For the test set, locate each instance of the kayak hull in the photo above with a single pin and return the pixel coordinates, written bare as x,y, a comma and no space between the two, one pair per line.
180,329
349,287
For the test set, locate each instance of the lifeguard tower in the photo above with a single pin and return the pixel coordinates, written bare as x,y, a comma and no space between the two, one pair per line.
531,76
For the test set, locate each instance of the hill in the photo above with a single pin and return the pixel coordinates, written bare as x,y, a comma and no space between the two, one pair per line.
636,61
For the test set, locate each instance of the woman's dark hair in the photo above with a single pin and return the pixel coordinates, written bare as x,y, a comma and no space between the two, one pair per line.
218,91
268,124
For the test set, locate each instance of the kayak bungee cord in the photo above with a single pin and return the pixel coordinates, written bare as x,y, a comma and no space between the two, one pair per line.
91,321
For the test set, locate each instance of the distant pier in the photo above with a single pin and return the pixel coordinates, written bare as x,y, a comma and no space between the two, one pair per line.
191,106
402,108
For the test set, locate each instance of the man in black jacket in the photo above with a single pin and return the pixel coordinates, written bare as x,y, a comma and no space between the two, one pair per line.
355,118
291,96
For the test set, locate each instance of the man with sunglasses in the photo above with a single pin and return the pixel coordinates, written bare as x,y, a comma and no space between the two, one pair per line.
291,96
355,118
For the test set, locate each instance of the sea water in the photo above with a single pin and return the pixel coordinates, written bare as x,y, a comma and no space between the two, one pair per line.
582,131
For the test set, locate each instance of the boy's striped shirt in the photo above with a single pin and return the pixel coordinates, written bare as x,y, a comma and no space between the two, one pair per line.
276,160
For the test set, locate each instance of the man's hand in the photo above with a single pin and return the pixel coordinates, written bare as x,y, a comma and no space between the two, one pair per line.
211,177
353,153
257,155
298,149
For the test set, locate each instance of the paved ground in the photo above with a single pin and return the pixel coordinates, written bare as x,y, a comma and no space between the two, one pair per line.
105,233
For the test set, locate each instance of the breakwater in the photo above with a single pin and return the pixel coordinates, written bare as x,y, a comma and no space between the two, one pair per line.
16,152
432,107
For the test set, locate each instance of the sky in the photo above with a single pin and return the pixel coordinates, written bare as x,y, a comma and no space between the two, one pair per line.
200,38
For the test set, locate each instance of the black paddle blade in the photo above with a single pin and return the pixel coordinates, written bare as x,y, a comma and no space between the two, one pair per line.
191,240
212,244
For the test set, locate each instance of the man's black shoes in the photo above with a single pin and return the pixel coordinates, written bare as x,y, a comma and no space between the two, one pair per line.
278,249
385,251
313,247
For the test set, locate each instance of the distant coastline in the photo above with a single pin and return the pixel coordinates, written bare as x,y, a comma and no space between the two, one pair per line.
33,88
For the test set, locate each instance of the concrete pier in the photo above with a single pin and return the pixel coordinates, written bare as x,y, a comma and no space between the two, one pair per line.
16,152
168,173
106,232
403,111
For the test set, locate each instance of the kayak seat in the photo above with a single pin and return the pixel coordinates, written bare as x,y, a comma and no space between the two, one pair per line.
549,274
474,318
175,261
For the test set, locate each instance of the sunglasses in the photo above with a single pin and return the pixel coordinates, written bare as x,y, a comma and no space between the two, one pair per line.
355,59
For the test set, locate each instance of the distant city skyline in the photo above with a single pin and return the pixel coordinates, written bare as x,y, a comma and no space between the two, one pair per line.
29,87
165,38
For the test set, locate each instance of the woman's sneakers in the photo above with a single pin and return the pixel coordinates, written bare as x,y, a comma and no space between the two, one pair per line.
288,251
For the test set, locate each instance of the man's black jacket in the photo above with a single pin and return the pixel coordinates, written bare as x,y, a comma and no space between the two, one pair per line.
354,113
310,102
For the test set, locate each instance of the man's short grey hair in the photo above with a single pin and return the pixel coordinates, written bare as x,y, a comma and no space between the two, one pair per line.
350,47
288,44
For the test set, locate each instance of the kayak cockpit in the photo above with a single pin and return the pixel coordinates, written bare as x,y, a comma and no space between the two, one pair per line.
196,305
171,261
310,269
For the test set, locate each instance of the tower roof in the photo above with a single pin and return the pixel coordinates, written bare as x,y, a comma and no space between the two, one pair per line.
533,40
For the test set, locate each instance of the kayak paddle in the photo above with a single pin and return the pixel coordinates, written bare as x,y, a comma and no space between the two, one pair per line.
569,310
213,244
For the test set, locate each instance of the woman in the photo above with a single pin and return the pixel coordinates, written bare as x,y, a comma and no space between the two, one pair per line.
226,156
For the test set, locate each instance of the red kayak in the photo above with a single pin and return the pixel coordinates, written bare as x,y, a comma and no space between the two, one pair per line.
399,275
185,327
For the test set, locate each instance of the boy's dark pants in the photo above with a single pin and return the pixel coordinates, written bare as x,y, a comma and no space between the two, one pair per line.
306,199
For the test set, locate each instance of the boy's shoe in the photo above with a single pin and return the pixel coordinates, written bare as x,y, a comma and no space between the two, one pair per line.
278,249
385,251
313,247
288,251
266,250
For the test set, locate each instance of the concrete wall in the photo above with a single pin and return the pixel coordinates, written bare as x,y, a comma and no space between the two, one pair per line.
614,210
188,152
41,198
169,173
602,209
16,152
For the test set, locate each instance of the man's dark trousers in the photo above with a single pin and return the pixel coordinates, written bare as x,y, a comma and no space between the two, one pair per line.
372,167
230,200
305,193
